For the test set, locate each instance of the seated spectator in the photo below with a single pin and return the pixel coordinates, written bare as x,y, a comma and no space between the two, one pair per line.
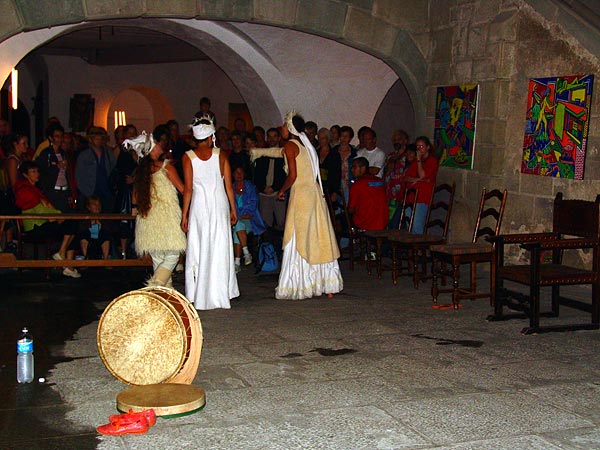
249,219
374,154
16,150
368,202
223,141
426,168
32,200
93,234
393,174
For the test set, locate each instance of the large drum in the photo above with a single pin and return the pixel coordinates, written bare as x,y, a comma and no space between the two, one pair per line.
151,336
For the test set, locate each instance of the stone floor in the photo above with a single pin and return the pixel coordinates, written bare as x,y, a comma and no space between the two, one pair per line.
374,367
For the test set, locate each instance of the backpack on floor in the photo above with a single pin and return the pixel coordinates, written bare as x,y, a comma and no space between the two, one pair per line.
267,258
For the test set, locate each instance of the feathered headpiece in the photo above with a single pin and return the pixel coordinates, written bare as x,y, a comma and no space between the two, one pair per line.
142,144
203,130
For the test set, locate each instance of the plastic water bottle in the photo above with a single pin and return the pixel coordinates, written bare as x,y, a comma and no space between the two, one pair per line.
25,357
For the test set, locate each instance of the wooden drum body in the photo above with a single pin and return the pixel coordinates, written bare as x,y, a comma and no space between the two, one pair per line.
150,336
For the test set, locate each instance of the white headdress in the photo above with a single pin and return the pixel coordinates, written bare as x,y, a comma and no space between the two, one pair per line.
142,144
203,130
312,153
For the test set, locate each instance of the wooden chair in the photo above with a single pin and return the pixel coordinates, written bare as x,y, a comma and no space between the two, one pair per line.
575,226
379,237
435,232
489,220
24,238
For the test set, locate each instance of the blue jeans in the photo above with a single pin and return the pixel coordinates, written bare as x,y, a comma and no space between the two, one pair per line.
420,217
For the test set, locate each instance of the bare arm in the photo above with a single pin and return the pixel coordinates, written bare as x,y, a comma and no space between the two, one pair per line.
291,151
226,172
187,190
11,169
173,176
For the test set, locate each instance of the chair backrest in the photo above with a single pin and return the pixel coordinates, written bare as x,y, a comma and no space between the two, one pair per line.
409,202
489,216
440,209
576,217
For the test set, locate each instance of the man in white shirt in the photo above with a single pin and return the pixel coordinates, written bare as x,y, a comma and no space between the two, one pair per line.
374,154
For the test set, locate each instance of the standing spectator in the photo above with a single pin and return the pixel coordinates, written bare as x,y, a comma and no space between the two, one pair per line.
393,174
239,157
269,176
46,142
359,135
335,135
347,154
261,141
330,165
311,133
94,169
374,154
223,141
16,148
368,202
53,163
205,110
426,168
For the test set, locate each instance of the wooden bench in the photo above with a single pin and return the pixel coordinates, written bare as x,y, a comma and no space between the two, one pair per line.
8,260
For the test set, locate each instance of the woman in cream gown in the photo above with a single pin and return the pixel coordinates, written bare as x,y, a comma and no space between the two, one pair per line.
310,251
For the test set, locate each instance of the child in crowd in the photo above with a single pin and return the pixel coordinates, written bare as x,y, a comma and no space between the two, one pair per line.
93,233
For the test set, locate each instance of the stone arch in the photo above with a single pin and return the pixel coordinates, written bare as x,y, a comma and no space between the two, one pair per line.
357,24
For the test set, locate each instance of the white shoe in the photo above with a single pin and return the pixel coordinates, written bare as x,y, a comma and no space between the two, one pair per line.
238,268
73,273
57,257
247,259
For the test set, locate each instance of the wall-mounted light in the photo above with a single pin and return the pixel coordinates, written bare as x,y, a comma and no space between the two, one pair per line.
14,88
120,119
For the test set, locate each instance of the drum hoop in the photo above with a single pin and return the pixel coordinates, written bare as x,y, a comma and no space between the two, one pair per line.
170,308
188,370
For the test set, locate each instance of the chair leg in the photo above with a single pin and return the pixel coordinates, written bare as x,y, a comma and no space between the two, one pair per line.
379,243
434,281
473,274
367,253
351,251
595,303
394,263
493,281
415,263
455,283
555,300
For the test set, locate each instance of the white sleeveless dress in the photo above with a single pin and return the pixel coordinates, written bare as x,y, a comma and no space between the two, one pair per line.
210,280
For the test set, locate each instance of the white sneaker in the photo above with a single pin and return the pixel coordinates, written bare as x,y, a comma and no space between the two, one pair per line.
238,268
57,257
73,273
247,259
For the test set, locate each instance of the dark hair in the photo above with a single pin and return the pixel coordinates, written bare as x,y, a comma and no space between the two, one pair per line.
369,130
312,125
54,126
235,133
238,166
93,198
299,124
171,122
159,131
337,127
411,148
120,128
361,130
276,130
427,142
252,137
205,101
128,127
26,166
361,161
259,129
348,129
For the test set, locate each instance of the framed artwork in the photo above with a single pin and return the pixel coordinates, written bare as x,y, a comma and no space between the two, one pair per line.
81,112
556,126
454,133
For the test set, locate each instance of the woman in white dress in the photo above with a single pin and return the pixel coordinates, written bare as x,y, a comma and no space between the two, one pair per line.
158,213
310,251
208,214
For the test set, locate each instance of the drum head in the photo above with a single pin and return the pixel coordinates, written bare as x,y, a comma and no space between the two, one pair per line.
167,399
142,339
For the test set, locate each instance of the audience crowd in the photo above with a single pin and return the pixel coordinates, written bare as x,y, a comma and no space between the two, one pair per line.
69,172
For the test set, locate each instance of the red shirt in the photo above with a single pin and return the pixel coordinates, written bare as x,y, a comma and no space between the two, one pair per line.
427,184
369,201
27,195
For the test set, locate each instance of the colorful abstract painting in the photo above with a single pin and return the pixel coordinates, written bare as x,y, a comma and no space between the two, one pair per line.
454,134
558,113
